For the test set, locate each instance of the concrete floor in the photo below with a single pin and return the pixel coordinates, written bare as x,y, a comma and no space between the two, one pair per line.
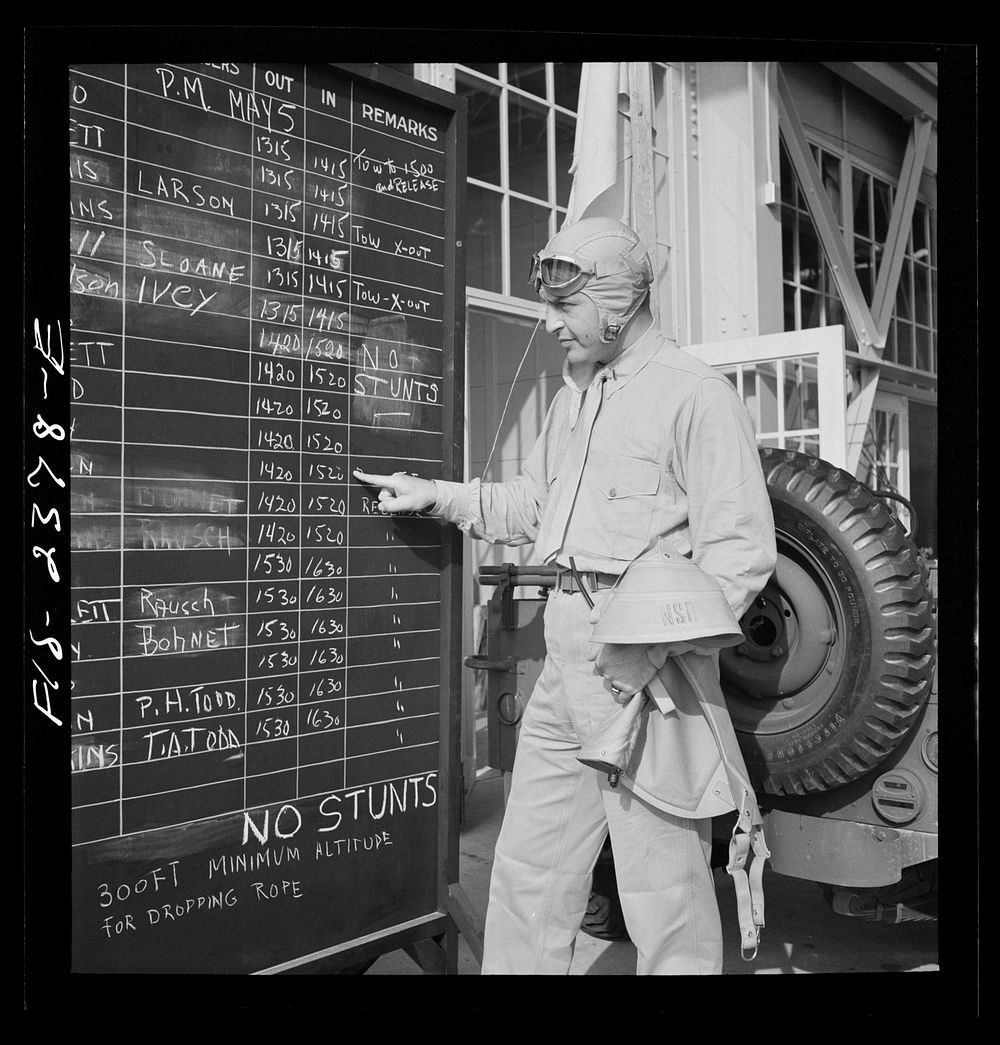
802,935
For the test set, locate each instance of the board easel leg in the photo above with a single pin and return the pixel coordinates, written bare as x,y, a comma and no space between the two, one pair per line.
438,955
451,950
429,955
466,920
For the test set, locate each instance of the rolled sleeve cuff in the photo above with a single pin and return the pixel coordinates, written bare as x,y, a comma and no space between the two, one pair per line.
458,503
741,590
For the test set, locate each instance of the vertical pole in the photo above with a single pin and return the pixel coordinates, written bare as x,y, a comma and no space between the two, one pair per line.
643,201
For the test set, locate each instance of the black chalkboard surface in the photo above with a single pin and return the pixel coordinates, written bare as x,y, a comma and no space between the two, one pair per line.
266,291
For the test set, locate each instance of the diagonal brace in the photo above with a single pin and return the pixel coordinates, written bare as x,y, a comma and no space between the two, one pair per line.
859,411
887,281
821,211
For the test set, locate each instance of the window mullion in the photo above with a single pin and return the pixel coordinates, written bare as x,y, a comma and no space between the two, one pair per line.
504,182
847,207
796,265
779,393
932,305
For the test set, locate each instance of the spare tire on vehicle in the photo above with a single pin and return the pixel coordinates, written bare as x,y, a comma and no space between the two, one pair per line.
838,655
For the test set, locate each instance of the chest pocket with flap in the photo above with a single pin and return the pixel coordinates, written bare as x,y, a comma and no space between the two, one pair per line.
615,504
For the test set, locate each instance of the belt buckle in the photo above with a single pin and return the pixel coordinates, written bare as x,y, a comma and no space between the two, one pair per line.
594,580
588,579
567,582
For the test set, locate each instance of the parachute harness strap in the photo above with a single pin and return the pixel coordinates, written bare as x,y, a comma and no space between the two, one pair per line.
748,834
749,884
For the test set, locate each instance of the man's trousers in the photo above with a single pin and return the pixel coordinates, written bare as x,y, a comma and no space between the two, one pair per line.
557,817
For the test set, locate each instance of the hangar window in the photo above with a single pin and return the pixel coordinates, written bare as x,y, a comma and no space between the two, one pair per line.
912,333
522,122
811,298
810,294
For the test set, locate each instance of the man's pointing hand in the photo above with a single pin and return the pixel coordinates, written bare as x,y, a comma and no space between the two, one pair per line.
401,492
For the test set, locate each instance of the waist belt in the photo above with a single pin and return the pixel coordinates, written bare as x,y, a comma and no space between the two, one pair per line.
565,581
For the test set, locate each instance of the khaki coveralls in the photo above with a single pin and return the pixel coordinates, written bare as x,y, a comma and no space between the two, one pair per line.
659,445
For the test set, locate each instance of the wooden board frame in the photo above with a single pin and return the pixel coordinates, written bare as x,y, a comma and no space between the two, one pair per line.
430,939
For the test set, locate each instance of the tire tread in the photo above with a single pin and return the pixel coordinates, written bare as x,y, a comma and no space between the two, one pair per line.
888,566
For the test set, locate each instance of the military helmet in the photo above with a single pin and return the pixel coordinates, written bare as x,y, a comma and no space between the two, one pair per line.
664,597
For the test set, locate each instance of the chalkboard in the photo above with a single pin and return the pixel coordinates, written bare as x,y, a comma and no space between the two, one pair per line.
266,291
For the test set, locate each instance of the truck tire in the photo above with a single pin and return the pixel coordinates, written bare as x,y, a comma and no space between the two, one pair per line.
838,655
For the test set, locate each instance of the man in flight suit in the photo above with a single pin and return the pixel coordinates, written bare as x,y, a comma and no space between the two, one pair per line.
643,442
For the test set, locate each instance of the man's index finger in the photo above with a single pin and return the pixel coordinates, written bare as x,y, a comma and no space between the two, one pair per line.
376,480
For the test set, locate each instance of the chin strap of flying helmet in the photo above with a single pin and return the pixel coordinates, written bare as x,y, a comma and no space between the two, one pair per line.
637,262
612,324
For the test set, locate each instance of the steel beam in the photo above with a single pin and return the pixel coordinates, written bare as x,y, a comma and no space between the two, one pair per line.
859,411
821,211
903,86
887,280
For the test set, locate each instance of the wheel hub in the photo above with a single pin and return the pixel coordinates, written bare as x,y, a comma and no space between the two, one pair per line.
785,670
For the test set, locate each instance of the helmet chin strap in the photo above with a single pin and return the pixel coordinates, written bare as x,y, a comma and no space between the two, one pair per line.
612,325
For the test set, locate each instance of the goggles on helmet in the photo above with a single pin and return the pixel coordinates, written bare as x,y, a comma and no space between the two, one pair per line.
559,274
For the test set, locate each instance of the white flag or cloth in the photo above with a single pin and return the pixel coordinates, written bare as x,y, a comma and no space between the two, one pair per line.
602,150
613,161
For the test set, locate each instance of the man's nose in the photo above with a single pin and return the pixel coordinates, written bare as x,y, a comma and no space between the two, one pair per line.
553,321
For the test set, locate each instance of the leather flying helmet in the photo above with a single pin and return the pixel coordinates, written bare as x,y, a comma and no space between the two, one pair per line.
601,258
